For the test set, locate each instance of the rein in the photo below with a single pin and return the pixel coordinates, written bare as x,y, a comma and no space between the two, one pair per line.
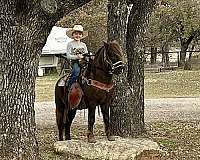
95,83
108,71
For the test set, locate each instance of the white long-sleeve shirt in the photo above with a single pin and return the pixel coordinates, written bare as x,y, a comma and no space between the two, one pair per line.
75,47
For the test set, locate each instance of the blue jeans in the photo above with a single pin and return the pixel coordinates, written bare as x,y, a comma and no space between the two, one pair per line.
74,75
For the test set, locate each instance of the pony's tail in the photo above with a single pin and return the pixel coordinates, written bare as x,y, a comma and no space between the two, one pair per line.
66,109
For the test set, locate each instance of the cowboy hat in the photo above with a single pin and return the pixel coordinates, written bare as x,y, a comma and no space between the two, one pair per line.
78,28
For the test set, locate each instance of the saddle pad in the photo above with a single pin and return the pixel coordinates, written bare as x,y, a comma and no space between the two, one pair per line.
62,81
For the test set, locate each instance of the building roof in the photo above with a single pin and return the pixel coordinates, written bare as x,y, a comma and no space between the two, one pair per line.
57,41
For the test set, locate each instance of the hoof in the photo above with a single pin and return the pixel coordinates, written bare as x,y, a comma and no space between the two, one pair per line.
111,138
91,140
90,137
68,138
60,139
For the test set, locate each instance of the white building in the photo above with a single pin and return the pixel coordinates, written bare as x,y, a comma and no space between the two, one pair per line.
56,44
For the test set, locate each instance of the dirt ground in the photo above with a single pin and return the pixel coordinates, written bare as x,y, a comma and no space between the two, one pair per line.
173,122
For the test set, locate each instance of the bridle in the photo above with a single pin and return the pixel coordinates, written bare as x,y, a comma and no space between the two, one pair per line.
108,68
112,66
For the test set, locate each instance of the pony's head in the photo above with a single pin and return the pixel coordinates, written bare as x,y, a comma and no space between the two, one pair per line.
110,58
113,57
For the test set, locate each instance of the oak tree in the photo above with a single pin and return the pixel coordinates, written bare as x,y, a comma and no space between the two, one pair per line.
24,27
127,23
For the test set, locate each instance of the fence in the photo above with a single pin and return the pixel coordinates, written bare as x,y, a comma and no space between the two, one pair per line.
172,63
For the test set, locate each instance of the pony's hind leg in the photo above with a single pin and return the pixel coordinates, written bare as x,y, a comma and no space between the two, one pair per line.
71,115
106,119
59,120
91,120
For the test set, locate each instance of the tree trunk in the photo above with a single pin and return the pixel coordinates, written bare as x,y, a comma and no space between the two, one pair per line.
135,37
182,55
24,28
188,65
117,28
165,56
117,19
19,60
127,110
17,123
184,46
153,55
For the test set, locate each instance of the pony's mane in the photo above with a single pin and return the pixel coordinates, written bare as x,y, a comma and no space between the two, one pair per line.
115,48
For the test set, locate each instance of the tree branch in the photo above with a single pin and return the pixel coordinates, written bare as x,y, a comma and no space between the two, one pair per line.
191,37
55,10
189,40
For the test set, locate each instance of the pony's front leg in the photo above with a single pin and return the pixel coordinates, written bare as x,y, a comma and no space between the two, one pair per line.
106,119
71,115
91,120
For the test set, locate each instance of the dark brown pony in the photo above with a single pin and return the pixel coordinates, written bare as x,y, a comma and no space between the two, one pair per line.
97,91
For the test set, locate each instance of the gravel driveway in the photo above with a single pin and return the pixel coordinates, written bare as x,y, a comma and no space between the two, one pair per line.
155,109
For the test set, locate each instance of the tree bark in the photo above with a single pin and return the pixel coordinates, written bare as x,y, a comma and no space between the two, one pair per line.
135,36
165,56
24,28
184,46
117,28
188,63
127,109
153,55
117,21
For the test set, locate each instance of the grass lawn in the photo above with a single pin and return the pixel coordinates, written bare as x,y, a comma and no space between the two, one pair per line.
45,87
172,84
157,85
